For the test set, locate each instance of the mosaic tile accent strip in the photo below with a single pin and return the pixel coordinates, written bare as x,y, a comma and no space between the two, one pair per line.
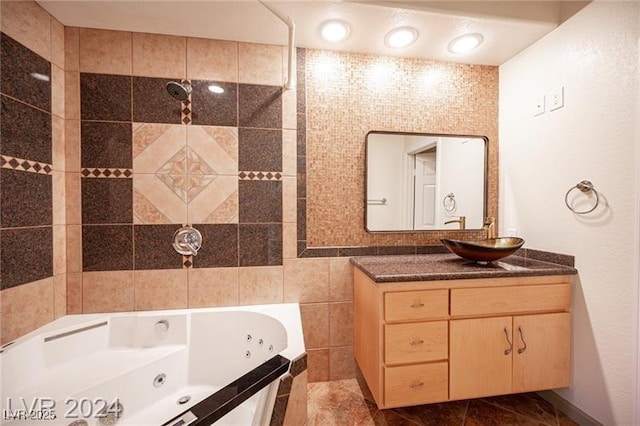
455,99
187,262
95,172
254,175
186,108
22,165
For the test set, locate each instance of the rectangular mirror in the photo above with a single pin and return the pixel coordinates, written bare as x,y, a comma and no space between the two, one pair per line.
425,182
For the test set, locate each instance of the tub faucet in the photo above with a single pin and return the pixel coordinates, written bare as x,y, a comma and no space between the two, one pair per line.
490,226
462,220
187,241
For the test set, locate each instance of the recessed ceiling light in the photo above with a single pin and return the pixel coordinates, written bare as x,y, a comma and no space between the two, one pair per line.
465,43
401,37
334,30
216,89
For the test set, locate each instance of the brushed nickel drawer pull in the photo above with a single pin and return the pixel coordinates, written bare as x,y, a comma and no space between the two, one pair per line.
416,342
416,305
416,385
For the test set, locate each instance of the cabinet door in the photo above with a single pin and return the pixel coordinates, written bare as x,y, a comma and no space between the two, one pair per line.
480,357
541,353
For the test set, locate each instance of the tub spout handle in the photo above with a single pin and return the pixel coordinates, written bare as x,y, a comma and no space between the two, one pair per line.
187,241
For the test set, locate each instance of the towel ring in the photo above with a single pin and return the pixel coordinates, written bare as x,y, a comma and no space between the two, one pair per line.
584,186
449,202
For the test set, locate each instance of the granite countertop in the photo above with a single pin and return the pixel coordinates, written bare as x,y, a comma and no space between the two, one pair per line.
433,267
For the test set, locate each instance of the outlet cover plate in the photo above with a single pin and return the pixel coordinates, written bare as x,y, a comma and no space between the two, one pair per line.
538,106
556,98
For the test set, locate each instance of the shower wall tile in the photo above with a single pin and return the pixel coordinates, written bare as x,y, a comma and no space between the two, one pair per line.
260,244
315,325
306,280
26,307
107,200
105,97
289,154
58,198
59,245
213,287
25,199
107,247
162,289
105,51
260,201
212,199
259,285
110,291
25,75
157,55
214,109
72,95
58,144
289,204
342,364
72,146
159,148
74,293
289,241
74,248
260,106
26,255
260,149
59,296
260,64
106,144
219,246
212,60
152,103
215,148
340,279
73,198
159,198
57,43
341,324
57,91
289,109
71,49
26,131
28,24
153,247
318,365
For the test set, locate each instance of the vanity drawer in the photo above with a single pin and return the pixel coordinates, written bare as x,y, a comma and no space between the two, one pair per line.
510,300
415,342
416,384
416,305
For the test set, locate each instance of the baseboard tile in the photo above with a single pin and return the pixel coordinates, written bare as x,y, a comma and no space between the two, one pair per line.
573,412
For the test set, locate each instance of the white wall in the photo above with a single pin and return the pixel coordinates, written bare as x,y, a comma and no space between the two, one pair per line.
594,55
385,177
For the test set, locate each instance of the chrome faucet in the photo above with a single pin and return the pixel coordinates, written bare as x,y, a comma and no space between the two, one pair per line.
490,226
462,220
187,241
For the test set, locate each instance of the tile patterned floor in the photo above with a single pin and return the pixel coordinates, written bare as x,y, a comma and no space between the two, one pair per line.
349,402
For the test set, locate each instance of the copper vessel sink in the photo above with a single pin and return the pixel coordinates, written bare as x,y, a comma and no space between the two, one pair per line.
484,251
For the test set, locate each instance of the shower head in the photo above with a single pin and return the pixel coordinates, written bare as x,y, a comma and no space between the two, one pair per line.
180,91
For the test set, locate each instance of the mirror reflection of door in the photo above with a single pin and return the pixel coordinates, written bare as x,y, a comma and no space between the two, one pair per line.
424,215
420,181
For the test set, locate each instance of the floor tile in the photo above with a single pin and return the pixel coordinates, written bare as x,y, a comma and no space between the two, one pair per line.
527,404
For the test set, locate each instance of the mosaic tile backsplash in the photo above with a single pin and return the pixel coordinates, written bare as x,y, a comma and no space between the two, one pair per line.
348,95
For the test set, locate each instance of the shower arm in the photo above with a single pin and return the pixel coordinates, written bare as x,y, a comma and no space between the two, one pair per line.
291,69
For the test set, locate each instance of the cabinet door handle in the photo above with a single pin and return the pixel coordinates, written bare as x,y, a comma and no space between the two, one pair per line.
506,335
416,305
416,342
416,385
524,348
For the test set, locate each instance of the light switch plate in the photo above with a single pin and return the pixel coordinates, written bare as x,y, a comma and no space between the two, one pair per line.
556,98
539,106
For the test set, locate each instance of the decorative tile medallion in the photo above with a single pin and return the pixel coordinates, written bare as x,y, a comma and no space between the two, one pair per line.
186,108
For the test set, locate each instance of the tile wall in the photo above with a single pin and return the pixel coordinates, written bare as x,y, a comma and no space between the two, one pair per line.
32,166
129,165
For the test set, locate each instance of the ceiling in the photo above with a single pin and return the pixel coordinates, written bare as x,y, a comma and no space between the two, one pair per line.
508,27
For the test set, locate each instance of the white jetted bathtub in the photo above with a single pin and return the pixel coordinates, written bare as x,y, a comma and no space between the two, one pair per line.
173,368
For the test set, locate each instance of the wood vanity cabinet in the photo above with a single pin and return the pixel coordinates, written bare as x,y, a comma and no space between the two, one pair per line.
432,341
